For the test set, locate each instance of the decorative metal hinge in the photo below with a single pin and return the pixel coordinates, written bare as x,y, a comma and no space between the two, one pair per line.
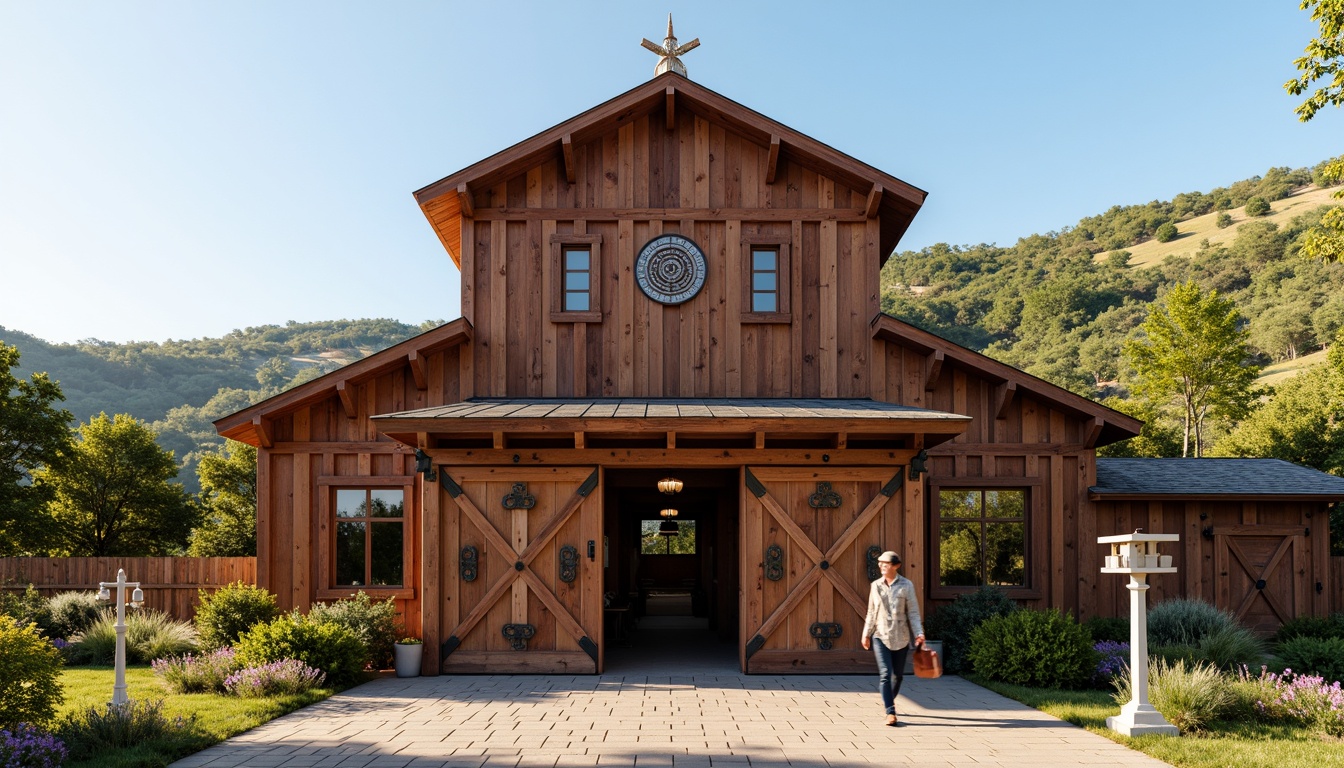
919,464
519,498
754,485
824,498
873,571
825,632
774,562
518,635
468,565
569,563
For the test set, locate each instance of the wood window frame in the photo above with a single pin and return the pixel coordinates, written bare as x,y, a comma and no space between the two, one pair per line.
1032,572
559,244
327,589
780,244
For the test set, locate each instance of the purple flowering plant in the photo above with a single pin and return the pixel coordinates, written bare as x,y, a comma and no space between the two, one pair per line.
29,747
1308,699
1114,659
194,674
279,678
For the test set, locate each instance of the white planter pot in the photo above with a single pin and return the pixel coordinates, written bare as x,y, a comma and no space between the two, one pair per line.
407,659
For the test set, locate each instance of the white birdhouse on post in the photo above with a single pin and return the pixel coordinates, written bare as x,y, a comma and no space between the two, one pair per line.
1136,554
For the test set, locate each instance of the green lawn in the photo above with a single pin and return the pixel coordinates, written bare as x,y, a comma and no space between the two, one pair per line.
1226,744
216,717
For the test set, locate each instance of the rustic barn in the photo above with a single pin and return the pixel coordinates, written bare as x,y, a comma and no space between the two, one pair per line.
671,286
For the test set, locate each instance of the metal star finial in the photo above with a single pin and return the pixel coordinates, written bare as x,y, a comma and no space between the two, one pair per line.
669,52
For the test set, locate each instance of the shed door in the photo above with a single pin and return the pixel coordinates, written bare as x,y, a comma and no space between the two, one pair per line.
521,583
1261,574
810,541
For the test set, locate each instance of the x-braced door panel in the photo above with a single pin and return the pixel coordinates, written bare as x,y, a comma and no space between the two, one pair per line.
810,540
1258,574
522,583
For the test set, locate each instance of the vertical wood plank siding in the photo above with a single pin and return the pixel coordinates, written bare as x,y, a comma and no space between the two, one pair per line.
170,584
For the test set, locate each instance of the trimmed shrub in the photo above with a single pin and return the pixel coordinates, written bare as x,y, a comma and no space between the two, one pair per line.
281,678
1257,206
1043,649
1223,220
1314,656
1104,628
197,674
30,667
1229,648
954,622
1182,621
27,747
150,635
1189,697
1166,233
1311,626
230,611
73,612
27,607
374,623
98,729
329,647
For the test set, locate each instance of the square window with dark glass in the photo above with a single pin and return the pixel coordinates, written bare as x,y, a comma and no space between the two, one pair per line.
369,536
982,537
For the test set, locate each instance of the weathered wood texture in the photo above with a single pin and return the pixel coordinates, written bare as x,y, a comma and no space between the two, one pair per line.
1336,583
170,584
706,183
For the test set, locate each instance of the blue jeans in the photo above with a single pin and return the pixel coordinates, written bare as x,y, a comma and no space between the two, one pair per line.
890,672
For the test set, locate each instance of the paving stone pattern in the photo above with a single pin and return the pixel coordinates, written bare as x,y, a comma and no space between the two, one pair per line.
709,717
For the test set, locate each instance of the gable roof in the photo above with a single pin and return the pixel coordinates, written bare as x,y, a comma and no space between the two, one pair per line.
896,201
250,424
1121,479
1108,425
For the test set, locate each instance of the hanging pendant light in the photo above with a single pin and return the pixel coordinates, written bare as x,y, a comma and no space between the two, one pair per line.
670,485
668,513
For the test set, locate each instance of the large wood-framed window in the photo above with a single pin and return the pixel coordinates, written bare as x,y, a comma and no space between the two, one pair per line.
576,278
767,281
980,534
365,536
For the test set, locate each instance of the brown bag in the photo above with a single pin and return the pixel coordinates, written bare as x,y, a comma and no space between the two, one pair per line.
927,663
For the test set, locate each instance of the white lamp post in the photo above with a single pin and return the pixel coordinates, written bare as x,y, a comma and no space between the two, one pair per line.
137,599
1136,554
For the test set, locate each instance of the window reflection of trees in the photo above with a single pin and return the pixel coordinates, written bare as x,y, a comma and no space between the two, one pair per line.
369,537
653,543
982,538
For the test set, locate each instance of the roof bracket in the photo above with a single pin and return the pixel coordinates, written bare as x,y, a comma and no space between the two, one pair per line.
772,160
464,201
671,107
935,370
567,149
874,201
1003,398
347,400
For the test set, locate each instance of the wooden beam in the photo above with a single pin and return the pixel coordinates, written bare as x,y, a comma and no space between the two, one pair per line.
680,457
1003,398
498,440
1094,432
772,161
671,107
464,201
841,440
343,389
263,429
579,440
567,148
418,372
760,441
671,440
874,201
935,370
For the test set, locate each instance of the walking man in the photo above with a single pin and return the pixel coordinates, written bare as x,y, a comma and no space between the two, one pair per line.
892,621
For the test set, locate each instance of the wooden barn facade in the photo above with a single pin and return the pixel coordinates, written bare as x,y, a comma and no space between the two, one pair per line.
671,285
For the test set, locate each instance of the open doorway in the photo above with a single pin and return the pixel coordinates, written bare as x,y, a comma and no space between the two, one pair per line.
671,562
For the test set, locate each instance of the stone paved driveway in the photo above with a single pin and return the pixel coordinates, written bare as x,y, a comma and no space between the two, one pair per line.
709,717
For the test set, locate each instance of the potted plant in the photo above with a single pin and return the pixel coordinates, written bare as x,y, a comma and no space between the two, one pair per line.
407,654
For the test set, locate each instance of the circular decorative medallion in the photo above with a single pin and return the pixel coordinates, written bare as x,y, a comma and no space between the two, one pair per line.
670,269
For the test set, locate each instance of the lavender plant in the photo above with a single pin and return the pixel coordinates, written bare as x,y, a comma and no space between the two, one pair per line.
194,674
28,747
1114,660
279,678
94,729
1306,699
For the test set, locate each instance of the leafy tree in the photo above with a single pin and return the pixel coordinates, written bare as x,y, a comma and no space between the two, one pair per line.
229,500
33,432
1257,206
1160,438
1223,220
1166,233
1323,62
112,493
1195,353
1302,422
1326,241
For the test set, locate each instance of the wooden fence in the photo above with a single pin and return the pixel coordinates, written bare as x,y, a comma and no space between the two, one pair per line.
170,584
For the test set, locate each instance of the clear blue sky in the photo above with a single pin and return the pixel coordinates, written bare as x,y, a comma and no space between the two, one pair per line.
181,169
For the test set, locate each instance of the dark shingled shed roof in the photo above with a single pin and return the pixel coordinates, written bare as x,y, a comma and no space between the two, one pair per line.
1241,478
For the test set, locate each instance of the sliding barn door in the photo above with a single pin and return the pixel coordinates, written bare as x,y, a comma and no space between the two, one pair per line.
522,582
810,541
1262,574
